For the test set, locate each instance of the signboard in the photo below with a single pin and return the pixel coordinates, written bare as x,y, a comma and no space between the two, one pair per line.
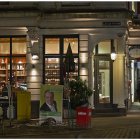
51,97
134,51
108,23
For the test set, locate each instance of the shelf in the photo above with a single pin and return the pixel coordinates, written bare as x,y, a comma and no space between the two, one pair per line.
21,75
18,70
2,75
53,69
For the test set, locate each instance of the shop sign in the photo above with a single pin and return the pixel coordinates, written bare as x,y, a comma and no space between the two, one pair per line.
134,51
108,23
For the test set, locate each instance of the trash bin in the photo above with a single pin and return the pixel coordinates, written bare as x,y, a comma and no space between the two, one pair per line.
83,117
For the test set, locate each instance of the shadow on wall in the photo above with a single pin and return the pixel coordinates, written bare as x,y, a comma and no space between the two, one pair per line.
35,109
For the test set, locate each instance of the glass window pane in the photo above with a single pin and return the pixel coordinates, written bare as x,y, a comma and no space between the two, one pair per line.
4,46
74,74
18,71
104,82
52,71
3,72
52,46
19,45
104,47
74,44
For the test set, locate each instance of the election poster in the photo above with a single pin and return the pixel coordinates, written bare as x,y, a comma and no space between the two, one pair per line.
51,98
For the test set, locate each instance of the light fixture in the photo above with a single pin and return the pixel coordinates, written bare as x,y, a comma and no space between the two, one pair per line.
113,54
35,57
33,41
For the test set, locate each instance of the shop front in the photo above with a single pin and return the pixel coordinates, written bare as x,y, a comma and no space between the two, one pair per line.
37,57
12,71
13,61
109,76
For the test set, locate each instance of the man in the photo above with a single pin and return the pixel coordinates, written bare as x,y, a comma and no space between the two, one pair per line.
50,104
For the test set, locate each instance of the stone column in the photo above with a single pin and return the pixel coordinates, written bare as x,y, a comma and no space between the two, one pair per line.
91,68
119,85
90,78
34,67
119,75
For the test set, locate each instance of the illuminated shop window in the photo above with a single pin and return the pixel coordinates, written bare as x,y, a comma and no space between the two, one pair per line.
55,53
4,46
52,46
74,45
12,61
18,46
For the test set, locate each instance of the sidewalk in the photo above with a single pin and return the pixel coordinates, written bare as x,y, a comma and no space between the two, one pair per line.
102,127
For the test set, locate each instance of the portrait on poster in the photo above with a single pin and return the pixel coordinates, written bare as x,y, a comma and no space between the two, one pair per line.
51,97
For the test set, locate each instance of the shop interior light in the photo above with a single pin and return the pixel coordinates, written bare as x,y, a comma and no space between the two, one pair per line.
35,57
113,54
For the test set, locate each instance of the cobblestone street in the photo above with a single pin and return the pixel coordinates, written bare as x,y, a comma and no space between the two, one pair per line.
101,127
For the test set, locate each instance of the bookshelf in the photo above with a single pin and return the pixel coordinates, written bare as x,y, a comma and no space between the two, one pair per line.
18,71
52,71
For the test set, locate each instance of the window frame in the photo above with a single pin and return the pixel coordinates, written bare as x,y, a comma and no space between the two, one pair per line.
10,55
111,46
61,54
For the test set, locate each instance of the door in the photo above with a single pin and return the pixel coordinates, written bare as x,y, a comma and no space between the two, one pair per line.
103,82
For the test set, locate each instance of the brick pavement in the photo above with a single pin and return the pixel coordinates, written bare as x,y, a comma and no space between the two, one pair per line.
102,127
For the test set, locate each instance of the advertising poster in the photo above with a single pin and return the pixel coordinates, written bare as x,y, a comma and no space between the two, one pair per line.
51,98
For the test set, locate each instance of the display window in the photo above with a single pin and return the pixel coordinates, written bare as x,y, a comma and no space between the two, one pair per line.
52,70
19,46
4,46
74,45
55,50
52,46
12,61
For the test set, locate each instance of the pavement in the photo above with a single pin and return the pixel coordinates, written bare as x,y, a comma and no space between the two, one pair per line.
100,127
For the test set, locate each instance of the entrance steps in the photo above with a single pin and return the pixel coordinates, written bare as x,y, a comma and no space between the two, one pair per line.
108,112
135,108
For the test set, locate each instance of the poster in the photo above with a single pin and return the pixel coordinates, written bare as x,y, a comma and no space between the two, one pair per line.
51,98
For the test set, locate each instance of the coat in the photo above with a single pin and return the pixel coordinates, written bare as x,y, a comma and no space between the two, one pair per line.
45,107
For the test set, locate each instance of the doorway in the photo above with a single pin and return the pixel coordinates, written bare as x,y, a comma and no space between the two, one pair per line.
103,84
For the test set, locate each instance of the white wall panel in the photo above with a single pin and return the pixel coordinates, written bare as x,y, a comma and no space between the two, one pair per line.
35,97
34,91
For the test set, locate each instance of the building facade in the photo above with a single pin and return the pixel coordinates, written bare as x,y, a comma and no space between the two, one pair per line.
34,38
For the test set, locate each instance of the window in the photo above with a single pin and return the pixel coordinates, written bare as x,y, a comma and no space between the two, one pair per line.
74,45
54,57
12,61
52,46
18,46
104,47
4,46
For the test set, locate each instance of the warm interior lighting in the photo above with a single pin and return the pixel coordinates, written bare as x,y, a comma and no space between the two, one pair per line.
113,54
19,62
